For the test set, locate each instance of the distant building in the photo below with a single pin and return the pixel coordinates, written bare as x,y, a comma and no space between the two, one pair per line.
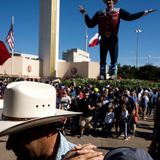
78,69
21,65
77,64
76,55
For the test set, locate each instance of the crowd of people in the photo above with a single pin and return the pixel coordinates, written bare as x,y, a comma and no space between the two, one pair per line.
112,112
107,109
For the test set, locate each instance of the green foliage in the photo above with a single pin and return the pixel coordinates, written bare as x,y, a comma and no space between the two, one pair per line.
147,76
147,72
123,83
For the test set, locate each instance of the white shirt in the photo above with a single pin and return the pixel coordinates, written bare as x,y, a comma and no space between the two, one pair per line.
124,114
109,118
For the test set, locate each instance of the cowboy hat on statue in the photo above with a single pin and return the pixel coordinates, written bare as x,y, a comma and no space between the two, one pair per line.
108,1
29,117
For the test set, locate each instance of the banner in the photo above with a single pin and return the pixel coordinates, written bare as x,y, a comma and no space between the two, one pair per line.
4,54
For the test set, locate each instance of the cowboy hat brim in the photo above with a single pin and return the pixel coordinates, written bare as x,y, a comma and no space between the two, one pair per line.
9,127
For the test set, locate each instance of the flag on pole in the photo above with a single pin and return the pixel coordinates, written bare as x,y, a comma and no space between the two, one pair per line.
4,54
10,37
138,30
94,40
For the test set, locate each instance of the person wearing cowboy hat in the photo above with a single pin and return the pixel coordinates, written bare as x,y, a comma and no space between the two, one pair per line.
29,117
108,21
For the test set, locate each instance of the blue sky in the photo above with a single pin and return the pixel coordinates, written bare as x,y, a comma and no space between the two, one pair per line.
72,28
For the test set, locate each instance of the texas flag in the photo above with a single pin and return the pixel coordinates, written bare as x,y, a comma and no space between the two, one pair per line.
4,54
94,40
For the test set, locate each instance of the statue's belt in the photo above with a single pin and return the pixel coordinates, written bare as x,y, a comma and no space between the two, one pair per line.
108,34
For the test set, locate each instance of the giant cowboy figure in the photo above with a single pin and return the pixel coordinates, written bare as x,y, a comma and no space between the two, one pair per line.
108,21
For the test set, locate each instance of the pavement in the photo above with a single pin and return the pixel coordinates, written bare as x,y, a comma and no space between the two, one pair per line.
141,140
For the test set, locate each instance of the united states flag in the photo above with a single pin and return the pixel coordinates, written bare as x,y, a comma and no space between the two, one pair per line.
10,38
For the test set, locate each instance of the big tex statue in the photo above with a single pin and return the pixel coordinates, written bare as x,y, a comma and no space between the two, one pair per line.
108,21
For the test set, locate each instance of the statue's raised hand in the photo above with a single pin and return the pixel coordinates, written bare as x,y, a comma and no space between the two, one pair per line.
82,9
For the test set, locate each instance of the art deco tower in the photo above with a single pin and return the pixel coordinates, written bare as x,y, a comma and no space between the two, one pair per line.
49,37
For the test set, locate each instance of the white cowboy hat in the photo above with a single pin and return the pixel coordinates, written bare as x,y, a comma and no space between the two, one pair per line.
27,105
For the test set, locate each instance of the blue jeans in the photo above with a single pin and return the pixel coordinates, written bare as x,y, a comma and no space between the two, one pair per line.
108,44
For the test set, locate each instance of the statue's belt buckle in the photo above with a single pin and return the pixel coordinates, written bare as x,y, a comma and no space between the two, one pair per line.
107,34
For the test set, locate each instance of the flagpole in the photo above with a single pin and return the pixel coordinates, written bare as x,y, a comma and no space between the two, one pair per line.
137,45
86,39
12,62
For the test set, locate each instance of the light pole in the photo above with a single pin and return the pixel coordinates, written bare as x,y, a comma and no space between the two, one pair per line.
149,56
137,45
86,39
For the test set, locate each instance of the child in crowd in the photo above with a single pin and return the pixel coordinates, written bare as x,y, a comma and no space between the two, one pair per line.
109,120
123,122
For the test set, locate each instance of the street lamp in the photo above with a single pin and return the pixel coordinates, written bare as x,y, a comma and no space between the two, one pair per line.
149,56
137,43
86,39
